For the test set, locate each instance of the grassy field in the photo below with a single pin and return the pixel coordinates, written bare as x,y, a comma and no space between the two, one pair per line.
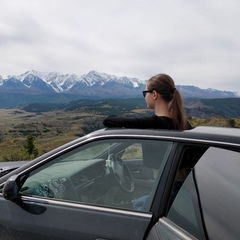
52,129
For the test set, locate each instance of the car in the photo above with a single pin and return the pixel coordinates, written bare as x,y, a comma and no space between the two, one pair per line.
128,184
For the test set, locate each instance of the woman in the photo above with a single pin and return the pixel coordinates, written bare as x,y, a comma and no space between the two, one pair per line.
162,96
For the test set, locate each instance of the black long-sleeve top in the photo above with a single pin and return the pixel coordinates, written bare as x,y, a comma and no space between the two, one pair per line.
154,122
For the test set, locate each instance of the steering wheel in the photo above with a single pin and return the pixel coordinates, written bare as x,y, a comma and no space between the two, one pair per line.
121,173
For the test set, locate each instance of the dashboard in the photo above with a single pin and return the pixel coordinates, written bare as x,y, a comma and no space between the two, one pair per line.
81,181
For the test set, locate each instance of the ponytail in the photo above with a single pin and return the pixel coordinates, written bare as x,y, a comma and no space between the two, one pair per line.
177,111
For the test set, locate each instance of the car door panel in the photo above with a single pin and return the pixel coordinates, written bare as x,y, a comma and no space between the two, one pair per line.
64,220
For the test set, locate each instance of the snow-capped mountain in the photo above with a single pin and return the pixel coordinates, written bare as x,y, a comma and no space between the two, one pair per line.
92,84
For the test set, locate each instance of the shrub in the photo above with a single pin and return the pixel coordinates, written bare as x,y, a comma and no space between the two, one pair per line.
232,122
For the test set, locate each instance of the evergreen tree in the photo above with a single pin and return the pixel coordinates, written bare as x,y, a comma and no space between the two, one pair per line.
232,122
30,147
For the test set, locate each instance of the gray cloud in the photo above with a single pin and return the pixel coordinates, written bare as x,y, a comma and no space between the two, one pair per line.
196,42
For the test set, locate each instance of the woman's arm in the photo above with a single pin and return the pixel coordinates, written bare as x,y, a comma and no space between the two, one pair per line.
128,122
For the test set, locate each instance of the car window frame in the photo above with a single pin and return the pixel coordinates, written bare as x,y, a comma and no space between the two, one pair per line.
52,159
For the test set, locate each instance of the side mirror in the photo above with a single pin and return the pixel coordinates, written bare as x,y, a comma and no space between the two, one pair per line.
11,188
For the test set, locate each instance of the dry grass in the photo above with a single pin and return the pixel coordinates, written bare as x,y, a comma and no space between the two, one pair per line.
51,129
215,121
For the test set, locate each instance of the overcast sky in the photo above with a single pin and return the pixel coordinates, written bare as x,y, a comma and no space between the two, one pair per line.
196,42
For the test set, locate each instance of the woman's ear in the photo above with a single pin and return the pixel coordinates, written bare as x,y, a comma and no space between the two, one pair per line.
155,95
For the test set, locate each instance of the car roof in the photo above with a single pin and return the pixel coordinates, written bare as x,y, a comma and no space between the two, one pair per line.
201,133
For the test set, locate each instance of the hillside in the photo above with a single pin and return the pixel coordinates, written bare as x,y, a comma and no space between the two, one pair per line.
203,108
206,108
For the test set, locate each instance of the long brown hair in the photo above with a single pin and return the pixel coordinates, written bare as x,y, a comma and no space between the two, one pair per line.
165,86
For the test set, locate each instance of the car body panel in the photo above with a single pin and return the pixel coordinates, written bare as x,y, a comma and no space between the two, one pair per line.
58,220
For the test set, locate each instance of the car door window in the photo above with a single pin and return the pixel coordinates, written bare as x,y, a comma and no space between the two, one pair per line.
98,173
185,211
188,159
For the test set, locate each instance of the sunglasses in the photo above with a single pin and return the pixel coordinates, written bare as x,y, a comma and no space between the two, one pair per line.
145,93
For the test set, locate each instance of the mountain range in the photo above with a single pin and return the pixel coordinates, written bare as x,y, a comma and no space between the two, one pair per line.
34,86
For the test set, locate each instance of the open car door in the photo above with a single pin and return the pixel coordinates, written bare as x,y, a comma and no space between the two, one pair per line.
207,204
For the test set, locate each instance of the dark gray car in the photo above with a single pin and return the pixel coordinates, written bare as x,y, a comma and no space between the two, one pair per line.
128,184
